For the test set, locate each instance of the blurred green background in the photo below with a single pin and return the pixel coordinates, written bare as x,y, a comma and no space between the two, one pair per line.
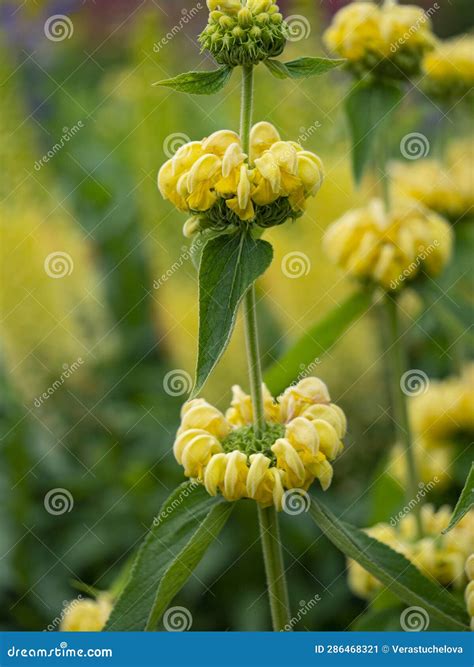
105,432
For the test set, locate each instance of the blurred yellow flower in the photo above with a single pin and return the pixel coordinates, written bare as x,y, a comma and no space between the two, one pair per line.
214,180
389,40
449,68
304,432
439,556
445,188
87,615
389,248
469,592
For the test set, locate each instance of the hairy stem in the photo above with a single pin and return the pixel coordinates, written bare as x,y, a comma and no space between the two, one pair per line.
398,366
268,519
274,568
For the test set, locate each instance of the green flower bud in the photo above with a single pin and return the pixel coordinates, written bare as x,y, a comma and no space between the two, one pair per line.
262,18
245,17
226,22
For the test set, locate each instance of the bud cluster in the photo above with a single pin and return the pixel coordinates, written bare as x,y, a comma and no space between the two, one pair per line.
238,34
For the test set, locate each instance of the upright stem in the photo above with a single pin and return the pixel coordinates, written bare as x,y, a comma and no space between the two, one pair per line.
274,568
398,367
268,519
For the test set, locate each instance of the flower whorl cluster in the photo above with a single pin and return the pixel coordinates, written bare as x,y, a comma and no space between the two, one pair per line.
87,615
303,433
469,592
387,41
439,556
447,189
221,185
244,34
449,68
441,418
389,248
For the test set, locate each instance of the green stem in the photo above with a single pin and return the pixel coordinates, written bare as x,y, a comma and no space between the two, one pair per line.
398,366
268,519
274,568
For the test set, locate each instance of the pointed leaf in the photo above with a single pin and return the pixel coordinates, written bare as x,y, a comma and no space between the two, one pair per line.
391,569
302,68
229,265
198,83
465,501
188,522
369,107
317,340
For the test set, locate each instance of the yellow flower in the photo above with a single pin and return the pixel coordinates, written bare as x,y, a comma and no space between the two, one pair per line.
87,615
437,555
449,68
389,40
303,432
215,180
389,248
446,188
469,592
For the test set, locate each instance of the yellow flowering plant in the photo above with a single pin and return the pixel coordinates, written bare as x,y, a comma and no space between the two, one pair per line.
263,449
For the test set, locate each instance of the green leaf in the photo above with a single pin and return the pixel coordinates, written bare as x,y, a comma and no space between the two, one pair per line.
369,107
188,522
302,68
391,569
199,83
229,265
465,501
317,340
